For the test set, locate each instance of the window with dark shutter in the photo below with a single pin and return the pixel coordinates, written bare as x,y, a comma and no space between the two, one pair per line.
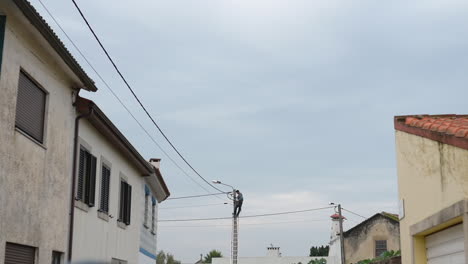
125,202
30,108
86,178
105,185
19,254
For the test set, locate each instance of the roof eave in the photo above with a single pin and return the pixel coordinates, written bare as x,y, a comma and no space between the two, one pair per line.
46,31
102,123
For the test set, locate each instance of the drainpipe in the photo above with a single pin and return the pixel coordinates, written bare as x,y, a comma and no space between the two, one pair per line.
72,196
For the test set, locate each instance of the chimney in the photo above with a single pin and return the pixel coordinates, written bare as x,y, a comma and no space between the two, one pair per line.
273,251
156,163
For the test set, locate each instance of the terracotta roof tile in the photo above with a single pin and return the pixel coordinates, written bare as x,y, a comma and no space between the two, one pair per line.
448,129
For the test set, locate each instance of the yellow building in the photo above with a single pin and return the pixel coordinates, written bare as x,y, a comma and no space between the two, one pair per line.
432,160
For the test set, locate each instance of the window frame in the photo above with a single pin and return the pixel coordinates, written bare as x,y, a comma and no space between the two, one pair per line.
87,196
378,247
22,131
125,203
107,165
59,255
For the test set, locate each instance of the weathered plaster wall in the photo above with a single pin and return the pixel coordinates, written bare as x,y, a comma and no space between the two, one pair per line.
96,239
34,179
360,244
431,176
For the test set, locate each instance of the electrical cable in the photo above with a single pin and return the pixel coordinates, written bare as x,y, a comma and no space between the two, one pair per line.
247,216
268,223
195,196
118,98
138,100
189,206
354,213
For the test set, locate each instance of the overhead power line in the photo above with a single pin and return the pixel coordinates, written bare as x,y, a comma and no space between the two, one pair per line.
244,224
354,213
138,99
118,98
190,206
246,216
196,196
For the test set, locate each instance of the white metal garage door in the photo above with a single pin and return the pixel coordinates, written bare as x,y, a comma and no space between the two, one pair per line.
446,246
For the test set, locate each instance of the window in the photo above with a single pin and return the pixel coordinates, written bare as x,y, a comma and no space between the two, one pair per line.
145,217
86,178
153,215
2,37
125,202
380,247
30,108
57,257
19,254
105,185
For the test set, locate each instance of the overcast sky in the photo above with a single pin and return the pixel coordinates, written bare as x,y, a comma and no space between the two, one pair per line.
290,101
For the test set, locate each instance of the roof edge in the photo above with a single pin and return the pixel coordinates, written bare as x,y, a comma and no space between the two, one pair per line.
367,220
83,105
46,31
400,125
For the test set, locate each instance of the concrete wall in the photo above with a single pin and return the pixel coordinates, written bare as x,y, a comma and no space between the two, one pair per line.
268,260
97,239
34,178
431,176
360,244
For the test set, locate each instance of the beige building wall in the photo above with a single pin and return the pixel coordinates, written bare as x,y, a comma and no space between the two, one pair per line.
97,239
34,178
431,176
361,245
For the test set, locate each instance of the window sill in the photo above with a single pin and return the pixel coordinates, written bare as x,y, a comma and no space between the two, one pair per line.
121,224
103,215
82,206
42,145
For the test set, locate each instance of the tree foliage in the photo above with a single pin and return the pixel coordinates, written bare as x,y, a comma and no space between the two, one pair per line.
384,256
166,258
321,251
212,254
318,261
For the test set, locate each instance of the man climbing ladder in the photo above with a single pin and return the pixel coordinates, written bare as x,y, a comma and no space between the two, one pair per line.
238,200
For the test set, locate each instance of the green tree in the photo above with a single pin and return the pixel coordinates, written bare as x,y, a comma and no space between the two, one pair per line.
321,251
171,260
318,261
161,258
212,254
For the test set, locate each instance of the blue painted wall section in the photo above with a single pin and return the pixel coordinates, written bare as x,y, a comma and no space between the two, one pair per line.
2,38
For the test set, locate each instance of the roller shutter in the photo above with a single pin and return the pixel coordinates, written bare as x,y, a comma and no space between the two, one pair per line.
19,254
446,246
30,108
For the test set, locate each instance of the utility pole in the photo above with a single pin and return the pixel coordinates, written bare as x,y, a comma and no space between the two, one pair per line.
235,244
343,259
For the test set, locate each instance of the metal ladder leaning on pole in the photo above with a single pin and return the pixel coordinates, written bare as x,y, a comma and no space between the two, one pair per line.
234,241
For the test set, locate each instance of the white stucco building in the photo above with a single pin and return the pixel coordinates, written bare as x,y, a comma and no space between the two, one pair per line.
116,194
38,78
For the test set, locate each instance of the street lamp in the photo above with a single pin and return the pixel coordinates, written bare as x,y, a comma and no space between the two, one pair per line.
234,244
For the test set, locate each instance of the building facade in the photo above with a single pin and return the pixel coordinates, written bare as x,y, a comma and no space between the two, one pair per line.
38,81
370,238
432,159
116,194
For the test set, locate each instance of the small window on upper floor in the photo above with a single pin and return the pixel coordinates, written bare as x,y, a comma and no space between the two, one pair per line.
153,215
30,108
380,247
105,189
86,178
125,202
